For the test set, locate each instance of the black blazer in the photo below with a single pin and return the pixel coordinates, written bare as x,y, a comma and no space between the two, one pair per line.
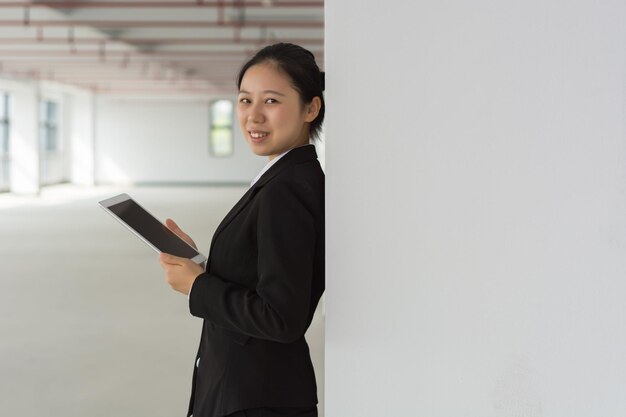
263,280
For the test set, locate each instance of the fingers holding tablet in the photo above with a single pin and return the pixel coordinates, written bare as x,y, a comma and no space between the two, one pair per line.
171,224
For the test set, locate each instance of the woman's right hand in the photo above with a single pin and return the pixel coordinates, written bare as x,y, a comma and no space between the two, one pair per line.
171,224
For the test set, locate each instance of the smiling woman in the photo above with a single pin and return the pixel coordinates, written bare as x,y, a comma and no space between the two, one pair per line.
265,270
270,111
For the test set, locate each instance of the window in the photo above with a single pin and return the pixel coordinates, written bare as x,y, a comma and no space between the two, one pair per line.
4,142
221,130
4,124
49,126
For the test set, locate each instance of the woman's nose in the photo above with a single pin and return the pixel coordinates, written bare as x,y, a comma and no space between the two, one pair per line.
255,115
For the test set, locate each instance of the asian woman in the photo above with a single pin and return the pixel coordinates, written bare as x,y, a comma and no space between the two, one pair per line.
265,270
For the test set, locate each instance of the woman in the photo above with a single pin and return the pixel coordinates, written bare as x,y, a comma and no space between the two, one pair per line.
265,271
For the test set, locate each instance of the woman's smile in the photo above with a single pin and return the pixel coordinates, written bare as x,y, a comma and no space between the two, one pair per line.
257,136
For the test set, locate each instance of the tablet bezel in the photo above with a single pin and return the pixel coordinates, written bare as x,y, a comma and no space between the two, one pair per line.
107,203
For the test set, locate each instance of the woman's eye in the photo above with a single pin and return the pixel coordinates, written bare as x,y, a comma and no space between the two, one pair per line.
271,101
244,100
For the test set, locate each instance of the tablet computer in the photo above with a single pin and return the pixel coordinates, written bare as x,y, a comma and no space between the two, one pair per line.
148,228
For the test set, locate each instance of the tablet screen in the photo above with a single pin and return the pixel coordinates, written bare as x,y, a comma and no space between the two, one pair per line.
151,229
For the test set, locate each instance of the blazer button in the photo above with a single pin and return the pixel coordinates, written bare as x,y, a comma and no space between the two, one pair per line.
197,364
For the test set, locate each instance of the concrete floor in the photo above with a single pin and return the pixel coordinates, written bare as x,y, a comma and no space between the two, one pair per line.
88,325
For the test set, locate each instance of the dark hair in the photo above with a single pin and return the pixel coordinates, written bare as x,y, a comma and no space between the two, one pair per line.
299,64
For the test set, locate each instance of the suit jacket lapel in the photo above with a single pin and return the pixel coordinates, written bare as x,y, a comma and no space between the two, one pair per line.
233,212
295,156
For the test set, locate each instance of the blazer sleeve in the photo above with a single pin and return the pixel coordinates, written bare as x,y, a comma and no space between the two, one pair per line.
278,308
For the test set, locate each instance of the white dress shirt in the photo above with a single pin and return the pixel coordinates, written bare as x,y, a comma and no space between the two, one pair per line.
267,166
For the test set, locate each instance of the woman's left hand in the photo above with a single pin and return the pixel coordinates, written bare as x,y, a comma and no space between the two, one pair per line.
180,273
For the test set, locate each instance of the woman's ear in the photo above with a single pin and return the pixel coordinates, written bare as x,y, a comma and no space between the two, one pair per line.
312,109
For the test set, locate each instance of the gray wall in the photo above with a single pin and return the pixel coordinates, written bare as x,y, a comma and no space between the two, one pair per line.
476,180
152,140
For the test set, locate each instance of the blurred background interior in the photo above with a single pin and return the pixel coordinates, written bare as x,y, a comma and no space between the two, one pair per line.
475,200
99,98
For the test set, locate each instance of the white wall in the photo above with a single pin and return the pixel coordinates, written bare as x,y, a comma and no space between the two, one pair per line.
476,236
24,158
55,166
81,129
29,167
119,140
141,140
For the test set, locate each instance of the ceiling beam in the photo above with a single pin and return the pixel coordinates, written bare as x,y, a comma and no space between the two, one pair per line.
161,4
187,55
155,41
115,24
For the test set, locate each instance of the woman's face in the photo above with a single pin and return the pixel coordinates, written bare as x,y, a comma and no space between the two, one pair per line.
270,111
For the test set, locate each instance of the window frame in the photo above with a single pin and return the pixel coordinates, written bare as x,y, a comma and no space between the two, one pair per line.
48,125
214,127
5,125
